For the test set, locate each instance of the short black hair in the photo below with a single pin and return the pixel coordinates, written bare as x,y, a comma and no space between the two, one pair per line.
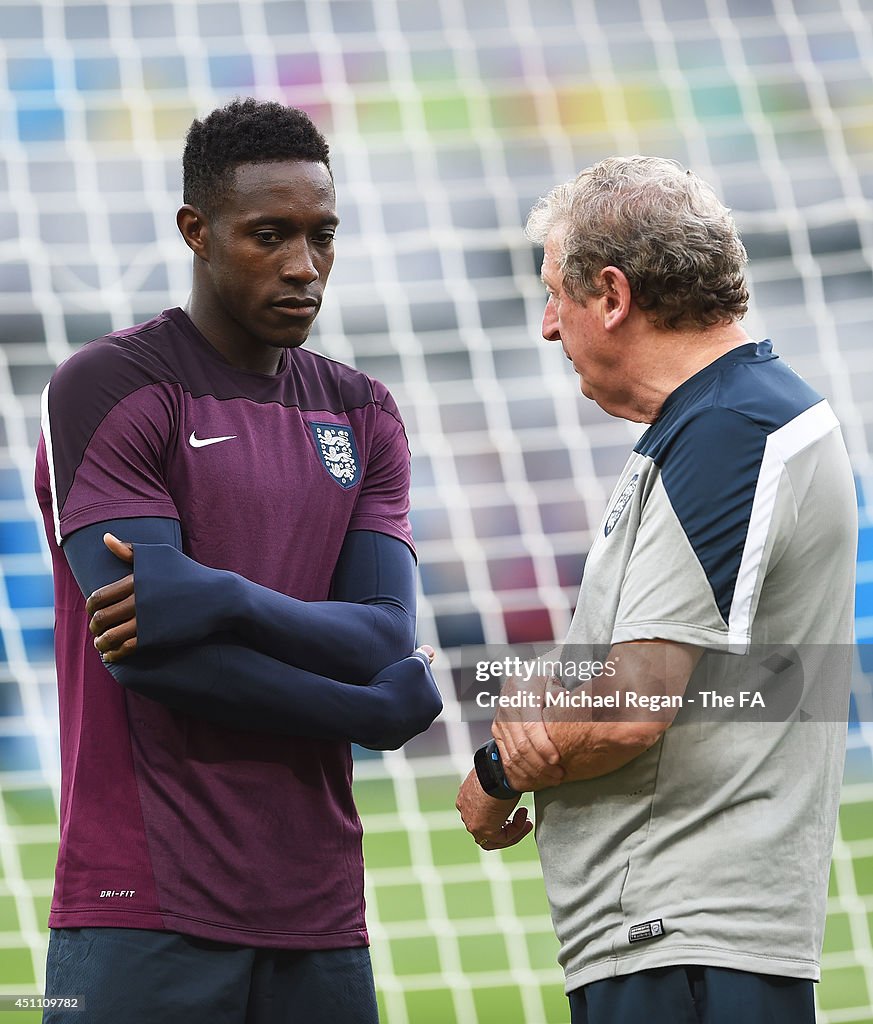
244,131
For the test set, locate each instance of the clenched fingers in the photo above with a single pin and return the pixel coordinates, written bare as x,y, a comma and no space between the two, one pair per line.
112,594
512,831
530,760
118,641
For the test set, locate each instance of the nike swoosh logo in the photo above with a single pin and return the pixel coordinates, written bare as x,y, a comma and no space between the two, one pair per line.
198,442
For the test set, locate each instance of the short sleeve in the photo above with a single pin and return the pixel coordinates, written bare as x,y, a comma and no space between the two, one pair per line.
383,502
696,544
106,427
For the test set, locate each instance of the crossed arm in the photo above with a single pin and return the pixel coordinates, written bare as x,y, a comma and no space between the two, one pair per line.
571,744
217,646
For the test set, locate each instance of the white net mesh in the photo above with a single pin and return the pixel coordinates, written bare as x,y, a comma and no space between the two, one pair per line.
446,121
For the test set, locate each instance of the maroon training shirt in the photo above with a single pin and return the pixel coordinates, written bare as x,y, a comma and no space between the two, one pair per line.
169,822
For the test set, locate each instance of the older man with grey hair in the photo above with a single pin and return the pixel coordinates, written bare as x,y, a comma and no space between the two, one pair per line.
686,798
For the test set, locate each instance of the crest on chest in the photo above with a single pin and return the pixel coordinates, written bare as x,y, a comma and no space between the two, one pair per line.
335,445
620,505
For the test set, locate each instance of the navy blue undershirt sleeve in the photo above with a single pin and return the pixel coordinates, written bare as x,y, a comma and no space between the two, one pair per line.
240,688
368,623
232,685
94,565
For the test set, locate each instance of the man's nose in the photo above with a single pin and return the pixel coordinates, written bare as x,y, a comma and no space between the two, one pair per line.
297,263
550,322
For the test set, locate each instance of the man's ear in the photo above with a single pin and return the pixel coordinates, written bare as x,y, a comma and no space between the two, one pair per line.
194,228
616,299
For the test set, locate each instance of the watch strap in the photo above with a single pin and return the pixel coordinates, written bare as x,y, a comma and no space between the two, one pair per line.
490,773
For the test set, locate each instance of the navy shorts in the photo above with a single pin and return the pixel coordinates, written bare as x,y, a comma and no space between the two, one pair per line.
145,977
694,995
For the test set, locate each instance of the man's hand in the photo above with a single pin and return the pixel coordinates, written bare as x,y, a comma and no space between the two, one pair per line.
487,820
427,651
531,761
596,741
113,609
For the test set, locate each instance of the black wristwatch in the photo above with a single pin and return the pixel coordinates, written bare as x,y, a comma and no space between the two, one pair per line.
489,772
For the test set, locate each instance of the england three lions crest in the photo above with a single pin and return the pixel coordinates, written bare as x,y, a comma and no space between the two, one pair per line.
619,507
335,444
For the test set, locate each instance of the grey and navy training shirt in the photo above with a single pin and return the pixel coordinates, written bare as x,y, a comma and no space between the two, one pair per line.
733,528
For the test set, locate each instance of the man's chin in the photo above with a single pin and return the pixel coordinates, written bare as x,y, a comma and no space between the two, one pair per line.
290,340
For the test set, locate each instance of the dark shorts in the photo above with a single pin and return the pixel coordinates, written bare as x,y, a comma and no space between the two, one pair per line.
145,977
694,995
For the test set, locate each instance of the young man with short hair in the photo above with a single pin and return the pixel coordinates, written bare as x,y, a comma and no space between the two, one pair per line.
210,864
